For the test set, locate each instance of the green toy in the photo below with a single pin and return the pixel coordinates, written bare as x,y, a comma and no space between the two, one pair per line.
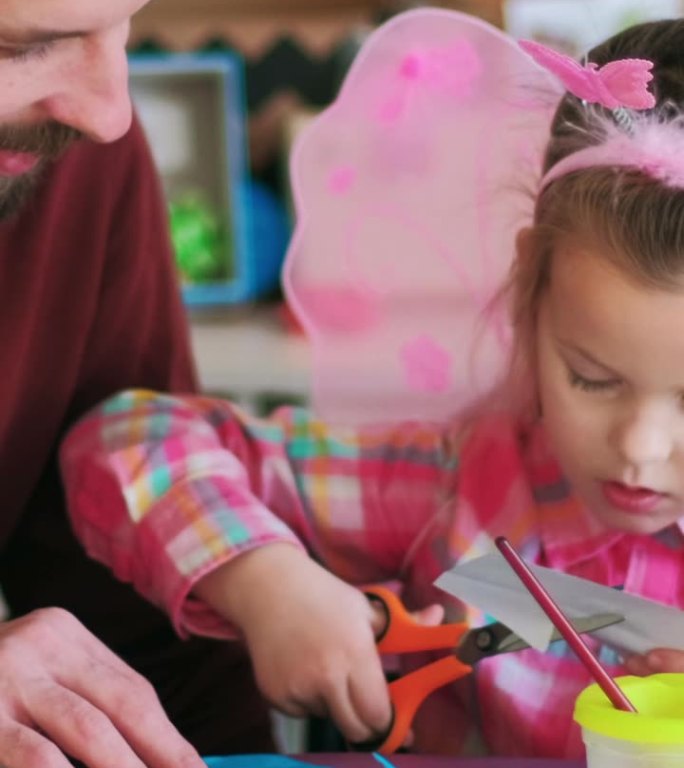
199,241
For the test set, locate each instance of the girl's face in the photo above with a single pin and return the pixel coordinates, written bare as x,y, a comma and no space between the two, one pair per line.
610,358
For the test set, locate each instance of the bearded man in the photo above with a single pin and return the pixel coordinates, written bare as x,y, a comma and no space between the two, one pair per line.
88,306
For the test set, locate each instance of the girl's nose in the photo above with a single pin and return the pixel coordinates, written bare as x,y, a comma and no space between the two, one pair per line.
645,436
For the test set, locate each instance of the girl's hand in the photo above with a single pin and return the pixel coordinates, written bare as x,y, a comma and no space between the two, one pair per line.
311,637
657,660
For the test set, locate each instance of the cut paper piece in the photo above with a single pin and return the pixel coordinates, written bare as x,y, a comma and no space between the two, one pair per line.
489,584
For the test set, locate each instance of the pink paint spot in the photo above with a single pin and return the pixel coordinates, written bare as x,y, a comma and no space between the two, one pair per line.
452,70
427,365
411,66
340,309
341,180
392,108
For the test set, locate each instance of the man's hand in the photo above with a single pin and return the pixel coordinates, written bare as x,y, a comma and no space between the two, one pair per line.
311,637
62,692
657,660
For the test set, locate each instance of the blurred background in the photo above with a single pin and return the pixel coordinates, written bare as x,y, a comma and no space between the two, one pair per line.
223,88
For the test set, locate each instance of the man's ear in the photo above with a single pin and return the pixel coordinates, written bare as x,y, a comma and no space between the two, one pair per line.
523,242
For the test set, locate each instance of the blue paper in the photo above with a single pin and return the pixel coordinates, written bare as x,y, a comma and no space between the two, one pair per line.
382,760
257,761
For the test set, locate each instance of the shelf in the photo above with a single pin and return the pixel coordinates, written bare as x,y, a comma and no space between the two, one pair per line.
252,26
247,354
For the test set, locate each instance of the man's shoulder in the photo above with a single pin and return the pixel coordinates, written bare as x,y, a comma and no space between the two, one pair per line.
91,178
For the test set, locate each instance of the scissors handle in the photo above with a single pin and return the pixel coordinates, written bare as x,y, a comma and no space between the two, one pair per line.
408,693
403,634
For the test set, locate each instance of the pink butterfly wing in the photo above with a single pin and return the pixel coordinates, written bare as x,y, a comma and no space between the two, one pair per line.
627,81
577,79
407,208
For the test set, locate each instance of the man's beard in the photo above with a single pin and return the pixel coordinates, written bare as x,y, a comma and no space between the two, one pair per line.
47,141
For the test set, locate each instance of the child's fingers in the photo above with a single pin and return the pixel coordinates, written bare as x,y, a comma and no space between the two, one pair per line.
378,618
430,616
347,718
410,739
665,660
657,660
368,691
368,698
637,665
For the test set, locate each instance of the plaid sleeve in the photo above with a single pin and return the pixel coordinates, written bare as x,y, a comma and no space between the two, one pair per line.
164,489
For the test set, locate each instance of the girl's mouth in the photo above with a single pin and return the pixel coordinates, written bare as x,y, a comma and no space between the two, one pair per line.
631,499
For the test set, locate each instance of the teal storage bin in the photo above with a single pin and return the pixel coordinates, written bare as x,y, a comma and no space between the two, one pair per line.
230,233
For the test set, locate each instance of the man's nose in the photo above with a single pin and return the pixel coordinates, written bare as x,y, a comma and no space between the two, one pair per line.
95,99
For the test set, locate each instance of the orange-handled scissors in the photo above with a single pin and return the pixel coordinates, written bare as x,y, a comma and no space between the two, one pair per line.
402,634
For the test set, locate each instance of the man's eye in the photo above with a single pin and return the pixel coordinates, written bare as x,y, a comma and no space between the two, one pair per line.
591,385
38,51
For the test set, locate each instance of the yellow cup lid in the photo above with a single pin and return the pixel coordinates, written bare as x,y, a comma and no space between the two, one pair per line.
658,699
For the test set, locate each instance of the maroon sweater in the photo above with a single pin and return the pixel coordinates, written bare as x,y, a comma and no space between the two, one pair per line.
88,306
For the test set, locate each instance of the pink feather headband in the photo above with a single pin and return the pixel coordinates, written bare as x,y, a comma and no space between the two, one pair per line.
654,147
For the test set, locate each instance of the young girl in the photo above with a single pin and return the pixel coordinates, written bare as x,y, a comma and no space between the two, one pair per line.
238,524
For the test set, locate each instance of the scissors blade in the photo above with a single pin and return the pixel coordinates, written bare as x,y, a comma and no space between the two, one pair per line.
582,626
497,638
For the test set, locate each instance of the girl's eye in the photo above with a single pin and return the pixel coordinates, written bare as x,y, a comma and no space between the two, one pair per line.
591,385
38,51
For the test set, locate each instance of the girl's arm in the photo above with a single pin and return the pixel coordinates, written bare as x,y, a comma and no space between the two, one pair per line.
206,511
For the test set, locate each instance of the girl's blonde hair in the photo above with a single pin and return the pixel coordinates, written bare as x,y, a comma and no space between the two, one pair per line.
637,221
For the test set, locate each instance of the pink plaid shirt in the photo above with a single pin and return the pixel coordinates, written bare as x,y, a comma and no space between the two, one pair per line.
164,489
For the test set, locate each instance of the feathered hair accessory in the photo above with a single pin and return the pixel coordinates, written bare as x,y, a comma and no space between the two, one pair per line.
649,144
